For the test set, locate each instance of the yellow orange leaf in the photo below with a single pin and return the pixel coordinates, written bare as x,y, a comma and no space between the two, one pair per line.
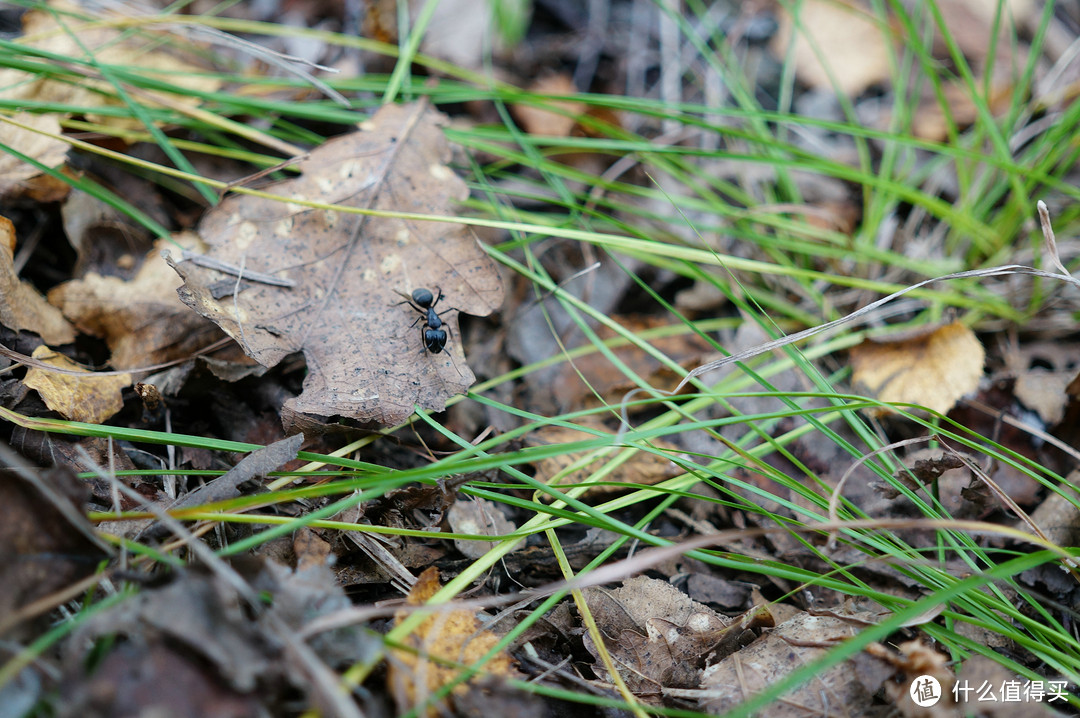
444,637
934,369
835,41
91,398
538,121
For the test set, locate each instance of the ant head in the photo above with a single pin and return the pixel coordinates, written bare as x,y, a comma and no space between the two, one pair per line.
423,297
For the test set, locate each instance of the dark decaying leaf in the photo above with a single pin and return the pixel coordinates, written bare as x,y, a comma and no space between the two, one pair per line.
257,464
796,642
198,632
659,638
155,677
46,544
343,311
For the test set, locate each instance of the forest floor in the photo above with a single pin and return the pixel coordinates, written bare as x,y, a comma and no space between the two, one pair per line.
631,357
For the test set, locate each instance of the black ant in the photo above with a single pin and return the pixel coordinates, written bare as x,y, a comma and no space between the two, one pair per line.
433,333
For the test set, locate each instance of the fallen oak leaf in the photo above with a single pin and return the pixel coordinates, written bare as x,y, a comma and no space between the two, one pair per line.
344,311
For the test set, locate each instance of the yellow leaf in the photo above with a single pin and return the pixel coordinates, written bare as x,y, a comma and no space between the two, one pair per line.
846,43
448,636
933,369
87,397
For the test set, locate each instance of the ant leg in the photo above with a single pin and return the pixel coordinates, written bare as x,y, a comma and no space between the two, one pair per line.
409,302
450,354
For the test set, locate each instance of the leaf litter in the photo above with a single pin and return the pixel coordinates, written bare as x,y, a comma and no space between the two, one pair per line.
142,320
364,350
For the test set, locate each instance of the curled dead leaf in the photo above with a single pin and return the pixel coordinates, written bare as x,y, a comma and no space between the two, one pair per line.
142,320
85,397
22,308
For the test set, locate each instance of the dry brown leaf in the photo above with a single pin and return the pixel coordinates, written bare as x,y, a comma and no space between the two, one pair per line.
706,588
46,543
934,370
200,621
581,380
929,122
364,350
793,644
87,397
642,469
847,42
142,320
22,308
154,676
660,637
310,549
538,121
454,636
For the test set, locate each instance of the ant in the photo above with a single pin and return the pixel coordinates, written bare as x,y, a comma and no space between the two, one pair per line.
433,334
